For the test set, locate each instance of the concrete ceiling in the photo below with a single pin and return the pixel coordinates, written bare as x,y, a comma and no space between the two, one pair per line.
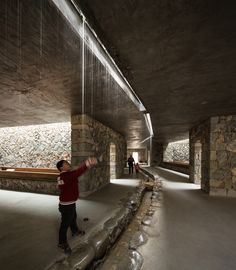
41,71
179,56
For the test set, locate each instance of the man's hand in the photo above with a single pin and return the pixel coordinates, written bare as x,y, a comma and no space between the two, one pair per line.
92,161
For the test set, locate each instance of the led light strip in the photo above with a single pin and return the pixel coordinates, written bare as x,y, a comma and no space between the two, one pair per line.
149,123
71,11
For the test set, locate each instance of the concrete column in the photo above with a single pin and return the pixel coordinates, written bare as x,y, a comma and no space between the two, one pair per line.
156,153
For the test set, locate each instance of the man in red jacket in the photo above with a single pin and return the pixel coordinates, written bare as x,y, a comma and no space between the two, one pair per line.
69,194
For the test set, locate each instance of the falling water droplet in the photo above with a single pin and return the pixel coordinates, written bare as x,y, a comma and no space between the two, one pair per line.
41,40
83,63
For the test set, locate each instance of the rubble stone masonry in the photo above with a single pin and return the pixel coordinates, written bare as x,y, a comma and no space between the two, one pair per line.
92,138
38,146
218,162
223,155
200,134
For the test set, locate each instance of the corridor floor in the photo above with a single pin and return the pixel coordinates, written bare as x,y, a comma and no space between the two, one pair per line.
29,223
191,231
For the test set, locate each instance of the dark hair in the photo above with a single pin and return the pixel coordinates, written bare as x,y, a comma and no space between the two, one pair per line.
60,164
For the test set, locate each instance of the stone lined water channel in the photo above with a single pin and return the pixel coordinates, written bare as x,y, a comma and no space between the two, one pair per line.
115,245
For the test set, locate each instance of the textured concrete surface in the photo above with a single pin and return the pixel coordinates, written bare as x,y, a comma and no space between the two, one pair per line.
41,73
29,223
179,56
191,230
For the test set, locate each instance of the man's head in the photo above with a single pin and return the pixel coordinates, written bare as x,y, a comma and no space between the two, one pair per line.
63,166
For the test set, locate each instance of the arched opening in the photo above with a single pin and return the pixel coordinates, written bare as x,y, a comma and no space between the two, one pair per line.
112,161
197,163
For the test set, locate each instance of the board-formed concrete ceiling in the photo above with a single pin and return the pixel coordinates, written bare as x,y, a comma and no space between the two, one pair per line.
41,73
179,56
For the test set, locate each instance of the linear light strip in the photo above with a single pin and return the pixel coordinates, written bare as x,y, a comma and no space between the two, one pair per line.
113,70
145,139
71,11
149,123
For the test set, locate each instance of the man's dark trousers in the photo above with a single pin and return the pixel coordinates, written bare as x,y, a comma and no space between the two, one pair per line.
131,169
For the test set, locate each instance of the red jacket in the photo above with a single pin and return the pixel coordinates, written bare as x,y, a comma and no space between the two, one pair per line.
68,185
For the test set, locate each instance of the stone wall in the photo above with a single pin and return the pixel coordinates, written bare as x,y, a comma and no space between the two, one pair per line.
223,155
29,182
92,138
112,161
217,159
177,151
35,146
200,134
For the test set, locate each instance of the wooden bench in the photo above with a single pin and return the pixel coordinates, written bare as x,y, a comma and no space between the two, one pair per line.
43,170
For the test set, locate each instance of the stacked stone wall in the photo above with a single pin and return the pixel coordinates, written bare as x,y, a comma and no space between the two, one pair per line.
200,134
92,138
217,137
26,184
177,151
223,155
35,146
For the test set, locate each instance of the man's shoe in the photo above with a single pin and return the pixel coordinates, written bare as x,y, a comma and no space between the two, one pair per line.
79,232
65,247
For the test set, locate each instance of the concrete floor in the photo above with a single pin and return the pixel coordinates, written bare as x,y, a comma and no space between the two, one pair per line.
191,231
29,223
